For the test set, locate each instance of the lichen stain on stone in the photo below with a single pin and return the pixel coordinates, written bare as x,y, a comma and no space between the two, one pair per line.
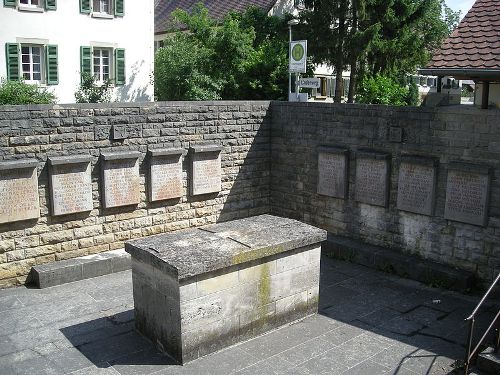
254,254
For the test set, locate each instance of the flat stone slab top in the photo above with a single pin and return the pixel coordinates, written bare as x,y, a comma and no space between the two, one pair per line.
192,252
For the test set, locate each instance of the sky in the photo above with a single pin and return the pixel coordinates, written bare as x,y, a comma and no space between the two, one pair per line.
462,5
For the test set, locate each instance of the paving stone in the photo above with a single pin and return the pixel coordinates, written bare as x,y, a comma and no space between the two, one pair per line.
342,334
143,362
305,351
325,364
402,326
425,362
379,316
367,368
424,315
270,366
9,303
37,365
100,369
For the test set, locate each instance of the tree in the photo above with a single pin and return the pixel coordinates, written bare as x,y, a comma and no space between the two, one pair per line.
387,37
19,92
90,91
244,56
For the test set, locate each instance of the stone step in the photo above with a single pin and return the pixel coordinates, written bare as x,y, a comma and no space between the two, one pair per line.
489,361
404,265
66,271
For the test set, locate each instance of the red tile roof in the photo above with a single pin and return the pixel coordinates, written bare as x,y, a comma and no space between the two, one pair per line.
475,43
216,9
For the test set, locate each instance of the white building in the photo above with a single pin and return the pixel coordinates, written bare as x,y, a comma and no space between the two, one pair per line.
50,42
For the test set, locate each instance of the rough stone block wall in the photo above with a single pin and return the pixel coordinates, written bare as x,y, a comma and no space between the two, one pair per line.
41,131
447,134
205,313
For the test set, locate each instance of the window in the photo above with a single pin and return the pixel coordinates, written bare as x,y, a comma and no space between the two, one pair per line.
34,63
102,6
31,63
34,5
102,64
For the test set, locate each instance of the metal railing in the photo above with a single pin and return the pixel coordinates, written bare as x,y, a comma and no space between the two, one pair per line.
470,353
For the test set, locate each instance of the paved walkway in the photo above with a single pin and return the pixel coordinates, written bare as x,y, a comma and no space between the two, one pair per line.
369,323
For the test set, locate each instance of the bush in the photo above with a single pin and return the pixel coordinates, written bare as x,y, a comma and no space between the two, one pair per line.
19,92
90,91
382,90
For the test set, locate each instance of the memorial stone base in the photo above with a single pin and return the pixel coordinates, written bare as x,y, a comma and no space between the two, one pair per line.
199,290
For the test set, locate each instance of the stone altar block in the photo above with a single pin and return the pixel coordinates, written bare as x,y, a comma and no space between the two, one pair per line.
372,178
417,185
19,198
70,184
120,178
468,193
206,169
199,290
333,171
165,174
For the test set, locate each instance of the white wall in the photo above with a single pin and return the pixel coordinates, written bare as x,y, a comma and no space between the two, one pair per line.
494,98
69,29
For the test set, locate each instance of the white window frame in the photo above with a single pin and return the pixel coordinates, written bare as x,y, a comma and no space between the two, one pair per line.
100,74
31,64
29,3
102,4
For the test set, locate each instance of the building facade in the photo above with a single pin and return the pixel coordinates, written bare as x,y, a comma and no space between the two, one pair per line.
51,42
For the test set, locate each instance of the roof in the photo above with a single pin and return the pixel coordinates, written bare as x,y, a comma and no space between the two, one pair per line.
474,46
216,8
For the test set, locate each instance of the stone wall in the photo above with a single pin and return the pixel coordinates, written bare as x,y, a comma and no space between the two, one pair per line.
378,137
45,132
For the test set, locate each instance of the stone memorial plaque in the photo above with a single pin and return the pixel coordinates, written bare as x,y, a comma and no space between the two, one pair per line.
120,176
467,193
417,185
70,184
372,178
19,198
332,172
165,175
206,169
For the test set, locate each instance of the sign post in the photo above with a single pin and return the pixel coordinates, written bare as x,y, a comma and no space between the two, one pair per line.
297,61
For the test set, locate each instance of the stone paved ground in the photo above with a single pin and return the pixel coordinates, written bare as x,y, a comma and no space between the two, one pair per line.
369,323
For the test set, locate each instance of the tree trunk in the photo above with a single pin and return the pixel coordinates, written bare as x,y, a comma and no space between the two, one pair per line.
339,58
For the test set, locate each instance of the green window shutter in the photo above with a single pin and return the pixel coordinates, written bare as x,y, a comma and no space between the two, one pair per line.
12,59
119,8
119,66
84,6
10,3
51,64
50,4
85,60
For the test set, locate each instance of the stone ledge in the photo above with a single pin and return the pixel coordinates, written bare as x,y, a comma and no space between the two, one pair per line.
404,265
66,271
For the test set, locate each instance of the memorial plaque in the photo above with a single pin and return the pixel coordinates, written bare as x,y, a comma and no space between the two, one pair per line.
70,184
165,175
206,169
120,175
19,191
332,172
417,185
372,178
467,193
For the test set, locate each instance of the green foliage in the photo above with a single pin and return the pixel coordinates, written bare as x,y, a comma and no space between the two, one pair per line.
242,57
387,37
90,91
413,97
382,90
18,92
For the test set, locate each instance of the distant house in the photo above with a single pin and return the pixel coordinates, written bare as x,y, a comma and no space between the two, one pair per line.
216,8
50,42
472,52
